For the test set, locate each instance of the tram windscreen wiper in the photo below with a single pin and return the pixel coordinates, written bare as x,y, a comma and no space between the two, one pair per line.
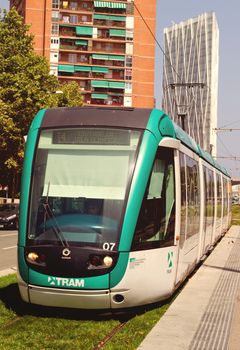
55,226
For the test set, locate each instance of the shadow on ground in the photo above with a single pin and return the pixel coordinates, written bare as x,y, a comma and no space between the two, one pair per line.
11,298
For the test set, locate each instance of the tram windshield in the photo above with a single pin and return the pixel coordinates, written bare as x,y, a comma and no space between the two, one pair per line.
79,186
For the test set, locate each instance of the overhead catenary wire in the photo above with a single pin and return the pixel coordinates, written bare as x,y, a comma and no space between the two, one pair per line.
231,157
176,72
163,52
225,147
225,126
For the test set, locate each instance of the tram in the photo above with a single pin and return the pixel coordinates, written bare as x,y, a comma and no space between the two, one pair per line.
117,208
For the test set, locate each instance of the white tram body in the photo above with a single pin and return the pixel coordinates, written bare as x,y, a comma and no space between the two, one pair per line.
164,205
162,270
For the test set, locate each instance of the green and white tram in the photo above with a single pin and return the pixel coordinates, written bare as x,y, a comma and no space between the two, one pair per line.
117,207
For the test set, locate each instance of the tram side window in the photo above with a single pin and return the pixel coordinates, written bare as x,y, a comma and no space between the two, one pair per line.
211,195
190,197
193,197
209,198
156,221
183,176
225,197
219,196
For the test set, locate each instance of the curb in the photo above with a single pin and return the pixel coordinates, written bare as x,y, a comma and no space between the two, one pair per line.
8,271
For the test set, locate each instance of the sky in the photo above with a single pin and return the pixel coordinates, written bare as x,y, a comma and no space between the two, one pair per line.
227,13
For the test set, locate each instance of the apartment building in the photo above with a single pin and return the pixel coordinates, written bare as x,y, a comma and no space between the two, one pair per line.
103,45
190,77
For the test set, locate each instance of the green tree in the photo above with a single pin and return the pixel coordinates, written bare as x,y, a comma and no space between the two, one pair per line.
68,95
25,87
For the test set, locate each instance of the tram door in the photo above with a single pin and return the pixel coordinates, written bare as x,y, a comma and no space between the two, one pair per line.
208,217
189,213
153,241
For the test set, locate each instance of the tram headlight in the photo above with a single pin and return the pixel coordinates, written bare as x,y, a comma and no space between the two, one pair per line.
108,261
99,262
36,259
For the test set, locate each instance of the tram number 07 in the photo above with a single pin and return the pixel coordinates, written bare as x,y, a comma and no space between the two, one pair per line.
108,246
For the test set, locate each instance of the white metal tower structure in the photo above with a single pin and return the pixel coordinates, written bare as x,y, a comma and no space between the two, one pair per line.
190,77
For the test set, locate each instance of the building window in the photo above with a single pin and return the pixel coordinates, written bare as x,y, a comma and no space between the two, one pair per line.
74,19
128,88
72,57
55,29
73,5
53,57
55,4
128,61
55,16
130,9
53,70
65,4
128,74
129,48
84,18
109,48
129,35
83,58
127,101
54,41
65,19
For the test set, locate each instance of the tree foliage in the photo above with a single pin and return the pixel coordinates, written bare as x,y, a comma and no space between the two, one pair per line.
25,87
67,96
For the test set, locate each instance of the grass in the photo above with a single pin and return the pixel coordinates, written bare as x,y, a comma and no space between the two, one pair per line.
235,214
25,327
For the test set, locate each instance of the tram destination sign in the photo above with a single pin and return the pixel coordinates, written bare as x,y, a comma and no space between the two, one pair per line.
91,137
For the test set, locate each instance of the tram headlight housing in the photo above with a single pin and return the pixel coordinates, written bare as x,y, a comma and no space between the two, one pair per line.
36,259
100,262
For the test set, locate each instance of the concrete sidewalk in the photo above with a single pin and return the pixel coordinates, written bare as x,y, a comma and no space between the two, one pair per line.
8,271
206,314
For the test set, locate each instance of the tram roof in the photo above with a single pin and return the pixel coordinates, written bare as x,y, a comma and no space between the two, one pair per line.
89,116
191,143
115,117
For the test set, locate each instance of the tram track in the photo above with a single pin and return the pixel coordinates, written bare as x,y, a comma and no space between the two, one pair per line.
9,323
110,335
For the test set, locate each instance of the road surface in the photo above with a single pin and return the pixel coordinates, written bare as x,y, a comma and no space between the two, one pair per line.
8,249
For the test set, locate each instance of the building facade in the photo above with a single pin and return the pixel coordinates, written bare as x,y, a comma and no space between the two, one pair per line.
103,45
190,77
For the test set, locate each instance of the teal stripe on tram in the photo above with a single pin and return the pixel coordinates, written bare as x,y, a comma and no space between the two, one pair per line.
22,266
118,272
96,282
139,182
27,170
161,125
151,138
25,188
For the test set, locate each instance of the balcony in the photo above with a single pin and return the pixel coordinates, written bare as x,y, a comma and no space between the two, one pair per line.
108,63
76,19
109,48
110,7
103,77
77,6
109,20
108,24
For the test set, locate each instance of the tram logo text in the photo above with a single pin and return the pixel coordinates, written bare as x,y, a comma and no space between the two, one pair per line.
65,282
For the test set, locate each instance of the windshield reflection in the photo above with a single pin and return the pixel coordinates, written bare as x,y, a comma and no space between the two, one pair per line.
79,186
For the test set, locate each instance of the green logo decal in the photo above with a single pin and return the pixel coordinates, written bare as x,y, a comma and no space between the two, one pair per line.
170,256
